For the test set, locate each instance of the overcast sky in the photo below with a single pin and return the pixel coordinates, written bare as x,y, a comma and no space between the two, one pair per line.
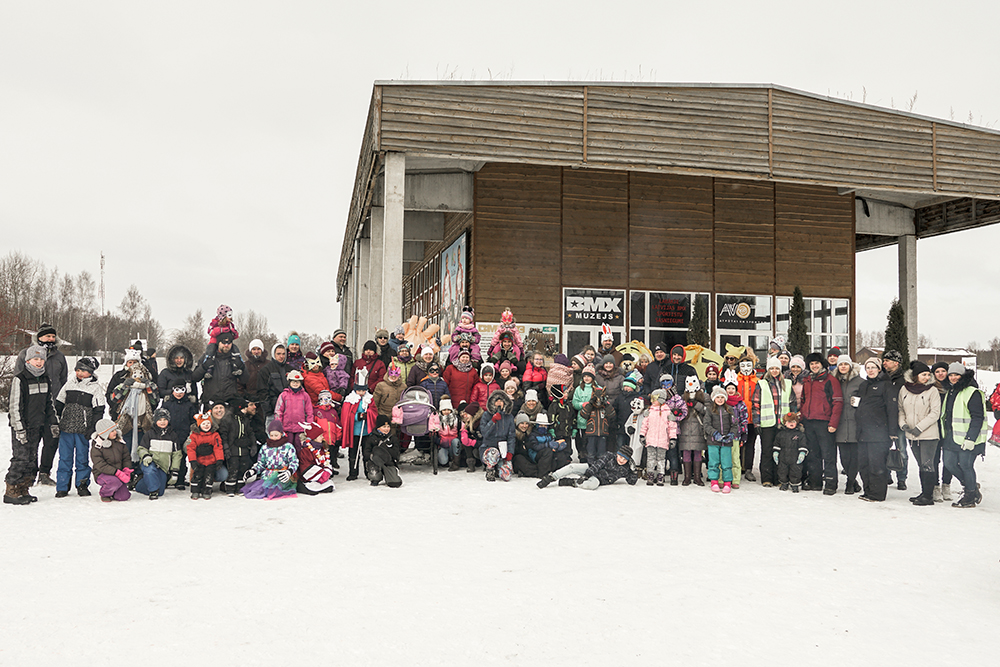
209,148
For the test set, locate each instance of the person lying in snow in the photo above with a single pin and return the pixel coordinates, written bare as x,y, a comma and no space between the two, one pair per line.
607,469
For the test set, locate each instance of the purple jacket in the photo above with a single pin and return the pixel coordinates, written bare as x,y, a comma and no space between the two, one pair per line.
337,378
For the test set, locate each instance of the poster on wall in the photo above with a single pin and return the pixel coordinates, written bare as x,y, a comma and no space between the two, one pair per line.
669,311
452,284
742,312
542,338
593,307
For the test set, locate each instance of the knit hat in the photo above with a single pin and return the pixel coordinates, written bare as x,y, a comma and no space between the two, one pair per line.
711,367
464,353
589,370
833,352
892,355
511,383
446,404
797,360
814,356
629,382
678,349
608,359
381,421
844,359
132,354
718,391
426,349
919,367
294,375
369,345
88,364
659,347
223,311
225,337
472,409
35,352
275,425
105,426
202,418
179,383
44,330
326,346
337,333
790,417
161,413
325,397
470,311
256,342
776,344
506,365
487,368
382,333
580,360
521,418
530,395
659,396
772,362
561,359
875,361
938,365
293,339
625,451
956,368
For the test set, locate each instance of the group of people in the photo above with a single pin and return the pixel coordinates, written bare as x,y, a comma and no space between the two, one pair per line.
271,424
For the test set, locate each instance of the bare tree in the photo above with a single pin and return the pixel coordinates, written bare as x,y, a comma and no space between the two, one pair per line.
132,306
924,341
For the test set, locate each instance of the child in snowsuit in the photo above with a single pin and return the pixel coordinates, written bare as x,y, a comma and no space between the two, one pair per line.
111,461
31,412
789,452
273,476
606,469
496,449
182,408
581,396
315,472
382,453
357,421
449,444
721,428
658,436
238,444
466,330
80,404
467,436
159,456
204,453
293,407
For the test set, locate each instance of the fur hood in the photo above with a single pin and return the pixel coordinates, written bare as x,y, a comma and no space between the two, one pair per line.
851,374
967,380
508,404
188,359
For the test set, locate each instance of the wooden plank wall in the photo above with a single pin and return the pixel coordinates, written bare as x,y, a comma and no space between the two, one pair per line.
814,232
516,249
595,248
744,237
670,232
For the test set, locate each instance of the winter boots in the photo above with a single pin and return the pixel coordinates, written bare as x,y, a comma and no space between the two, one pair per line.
946,492
673,478
697,474
727,487
651,480
659,480
545,481
568,481
491,474
470,461
970,498
83,490
936,494
44,479
687,474
12,496
715,486
453,466
926,496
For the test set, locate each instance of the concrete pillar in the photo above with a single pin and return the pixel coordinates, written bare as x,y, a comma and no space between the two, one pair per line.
392,241
364,331
347,305
375,270
908,287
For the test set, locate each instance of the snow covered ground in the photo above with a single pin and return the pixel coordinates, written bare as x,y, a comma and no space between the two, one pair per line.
451,570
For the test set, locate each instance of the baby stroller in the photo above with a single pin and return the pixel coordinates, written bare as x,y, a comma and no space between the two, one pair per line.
416,416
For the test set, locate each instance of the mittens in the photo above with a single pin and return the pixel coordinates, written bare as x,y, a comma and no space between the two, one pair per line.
249,476
324,477
123,476
147,460
496,417
284,476
509,456
55,430
800,458
775,457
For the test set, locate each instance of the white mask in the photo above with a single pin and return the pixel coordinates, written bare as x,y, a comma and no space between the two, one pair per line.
746,367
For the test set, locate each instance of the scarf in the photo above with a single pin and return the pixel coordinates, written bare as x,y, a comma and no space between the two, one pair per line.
463,368
35,372
917,388
733,400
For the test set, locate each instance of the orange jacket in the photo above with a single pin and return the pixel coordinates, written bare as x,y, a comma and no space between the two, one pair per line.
745,386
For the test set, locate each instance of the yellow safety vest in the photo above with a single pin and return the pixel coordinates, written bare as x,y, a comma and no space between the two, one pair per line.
767,416
961,419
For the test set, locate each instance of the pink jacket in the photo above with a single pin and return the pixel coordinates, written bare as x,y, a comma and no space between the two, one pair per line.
659,427
292,408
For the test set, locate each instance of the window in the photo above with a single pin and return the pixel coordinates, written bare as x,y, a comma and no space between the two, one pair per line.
425,295
828,322
656,317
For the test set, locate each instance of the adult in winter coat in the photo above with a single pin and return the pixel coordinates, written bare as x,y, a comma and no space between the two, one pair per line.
111,461
678,369
850,380
461,377
339,340
822,405
254,387
485,387
610,376
877,422
383,350
508,352
892,365
496,447
419,369
660,365
80,405
57,371
405,360
690,431
180,365
963,431
277,372
772,398
388,391
606,469
238,442
30,413
919,413
219,373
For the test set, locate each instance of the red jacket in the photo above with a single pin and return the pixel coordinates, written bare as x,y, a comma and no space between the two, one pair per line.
210,444
315,382
822,398
376,371
460,384
347,414
481,393
534,375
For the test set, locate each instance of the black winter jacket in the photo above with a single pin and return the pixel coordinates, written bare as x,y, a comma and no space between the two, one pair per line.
55,367
30,401
608,471
221,374
166,378
182,414
876,417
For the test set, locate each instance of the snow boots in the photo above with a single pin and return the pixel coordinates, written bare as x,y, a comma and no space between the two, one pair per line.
697,474
545,481
12,496
970,498
926,496
470,460
673,478
44,479
687,474
491,474
651,480
568,481
83,490
946,492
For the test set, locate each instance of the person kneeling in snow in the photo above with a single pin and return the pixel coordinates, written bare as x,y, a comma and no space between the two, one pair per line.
159,456
381,451
606,469
110,460
273,476
496,450
315,468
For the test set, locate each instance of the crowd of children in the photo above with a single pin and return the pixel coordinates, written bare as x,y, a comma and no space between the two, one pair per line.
272,424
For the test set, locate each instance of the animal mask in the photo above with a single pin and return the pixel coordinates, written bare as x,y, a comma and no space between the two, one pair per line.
691,384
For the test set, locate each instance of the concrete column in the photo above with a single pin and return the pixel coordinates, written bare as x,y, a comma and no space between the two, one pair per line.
908,287
375,271
392,245
347,305
363,332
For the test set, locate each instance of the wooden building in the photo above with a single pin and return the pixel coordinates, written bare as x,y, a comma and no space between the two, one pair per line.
581,204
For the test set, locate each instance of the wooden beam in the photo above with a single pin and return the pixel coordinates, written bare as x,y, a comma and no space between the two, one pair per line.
770,132
585,123
934,154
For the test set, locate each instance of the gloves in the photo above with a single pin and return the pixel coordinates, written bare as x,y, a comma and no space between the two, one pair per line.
642,440
496,417
727,439
249,476
912,431
968,444
800,458
673,444
55,430
22,436
129,381
147,460
717,437
284,476
510,456
123,476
